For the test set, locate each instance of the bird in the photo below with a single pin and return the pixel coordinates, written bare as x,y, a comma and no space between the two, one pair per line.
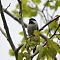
33,25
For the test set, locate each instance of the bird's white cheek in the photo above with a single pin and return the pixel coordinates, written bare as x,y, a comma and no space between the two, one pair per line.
35,22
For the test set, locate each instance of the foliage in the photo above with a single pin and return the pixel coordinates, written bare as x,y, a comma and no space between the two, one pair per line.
46,47
49,51
54,6
51,48
27,11
53,25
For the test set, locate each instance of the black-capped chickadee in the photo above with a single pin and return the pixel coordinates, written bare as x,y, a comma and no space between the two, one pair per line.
32,26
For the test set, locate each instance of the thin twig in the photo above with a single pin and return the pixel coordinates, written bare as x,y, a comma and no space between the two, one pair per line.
49,23
20,12
23,27
44,16
57,34
44,37
37,51
3,32
8,6
45,5
19,47
34,54
15,18
55,31
6,28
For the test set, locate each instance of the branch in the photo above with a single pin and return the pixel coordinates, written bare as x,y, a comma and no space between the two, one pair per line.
20,12
49,23
6,28
3,32
45,5
43,36
57,34
19,47
34,54
44,9
22,23
15,18
38,51
55,31
8,6
16,51
44,16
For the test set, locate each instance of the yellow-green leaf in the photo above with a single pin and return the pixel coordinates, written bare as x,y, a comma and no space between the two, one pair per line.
21,33
52,44
36,33
52,52
36,1
28,57
42,52
11,52
20,56
28,11
23,41
53,25
22,48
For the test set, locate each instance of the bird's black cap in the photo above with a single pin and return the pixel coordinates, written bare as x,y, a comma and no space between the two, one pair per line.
31,21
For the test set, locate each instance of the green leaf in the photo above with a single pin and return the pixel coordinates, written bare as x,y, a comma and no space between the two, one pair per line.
48,4
52,7
28,41
53,25
29,12
52,52
36,33
17,6
36,1
42,52
20,56
49,58
34,40
24,2
37,40
46,31
23,41
57,3
22,48
28,57
21,33
58,36
42,40
52,44
11,52
59,30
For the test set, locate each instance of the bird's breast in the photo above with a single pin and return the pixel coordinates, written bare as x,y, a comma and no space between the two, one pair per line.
31,28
